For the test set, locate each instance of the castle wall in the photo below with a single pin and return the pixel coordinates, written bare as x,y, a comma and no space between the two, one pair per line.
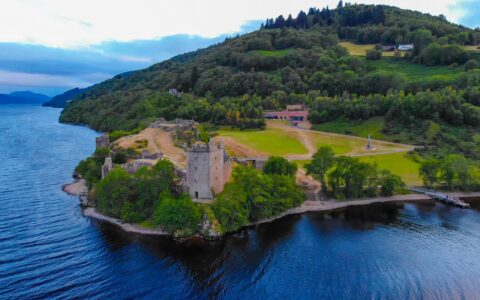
207,171
198,175
216,170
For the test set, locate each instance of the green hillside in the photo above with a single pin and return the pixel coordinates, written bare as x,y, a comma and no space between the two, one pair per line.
300,60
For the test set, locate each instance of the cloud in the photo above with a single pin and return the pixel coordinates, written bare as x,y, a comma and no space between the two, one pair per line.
70,24
469,11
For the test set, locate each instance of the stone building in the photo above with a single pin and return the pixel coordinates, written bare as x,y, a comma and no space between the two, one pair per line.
208,170
177,124
293,113
133,166
107,167
102,141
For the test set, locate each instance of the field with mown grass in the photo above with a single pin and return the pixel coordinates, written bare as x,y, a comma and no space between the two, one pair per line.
372,126
271,141
399,163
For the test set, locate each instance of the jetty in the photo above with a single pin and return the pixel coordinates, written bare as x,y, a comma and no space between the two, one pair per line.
442,197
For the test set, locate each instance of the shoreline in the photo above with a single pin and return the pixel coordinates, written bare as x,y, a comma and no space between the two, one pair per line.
306,207
76,188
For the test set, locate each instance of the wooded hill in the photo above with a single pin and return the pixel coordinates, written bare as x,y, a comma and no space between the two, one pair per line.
291,60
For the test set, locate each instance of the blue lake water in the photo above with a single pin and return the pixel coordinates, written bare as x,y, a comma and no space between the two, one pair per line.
49,250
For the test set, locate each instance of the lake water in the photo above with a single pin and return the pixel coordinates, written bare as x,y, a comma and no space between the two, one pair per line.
49,250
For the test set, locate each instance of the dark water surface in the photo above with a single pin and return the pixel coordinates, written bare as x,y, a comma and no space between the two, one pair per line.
48,250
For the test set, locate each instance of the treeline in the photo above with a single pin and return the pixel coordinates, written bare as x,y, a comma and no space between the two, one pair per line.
371,24
149,196
346,177
111,114
451,172
254,195
453,106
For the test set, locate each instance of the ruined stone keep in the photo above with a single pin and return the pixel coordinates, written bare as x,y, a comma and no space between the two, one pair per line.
208,170
102,141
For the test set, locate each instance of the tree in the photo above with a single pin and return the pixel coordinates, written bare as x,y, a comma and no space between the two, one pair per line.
471,65
421,39
322,161
280,166
113,191
179,217
374,54
429,172
390,183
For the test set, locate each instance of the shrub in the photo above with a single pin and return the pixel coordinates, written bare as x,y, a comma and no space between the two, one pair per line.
179,217
280,166
471,64
374,54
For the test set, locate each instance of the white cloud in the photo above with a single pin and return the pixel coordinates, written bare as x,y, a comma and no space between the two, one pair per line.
69,23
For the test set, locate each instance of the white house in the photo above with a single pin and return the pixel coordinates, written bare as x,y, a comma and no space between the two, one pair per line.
405,47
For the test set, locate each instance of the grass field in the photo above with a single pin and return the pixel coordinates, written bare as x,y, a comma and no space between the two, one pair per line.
415,71
372,126
398,163
276,53
361,50
271,141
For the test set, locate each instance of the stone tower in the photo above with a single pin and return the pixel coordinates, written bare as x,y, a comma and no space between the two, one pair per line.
107,167
208,170
102,141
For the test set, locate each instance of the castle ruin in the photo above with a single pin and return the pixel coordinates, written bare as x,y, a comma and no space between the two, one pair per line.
107,167
102,141
208,170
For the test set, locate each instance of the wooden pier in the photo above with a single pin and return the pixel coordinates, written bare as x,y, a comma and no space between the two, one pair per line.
442,197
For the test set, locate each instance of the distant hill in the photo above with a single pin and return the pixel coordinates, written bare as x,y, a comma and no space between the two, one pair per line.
61,101
23,97
289,59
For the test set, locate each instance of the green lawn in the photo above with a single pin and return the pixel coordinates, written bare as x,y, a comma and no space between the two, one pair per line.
398,163
372,126
271,141
276,53
361,50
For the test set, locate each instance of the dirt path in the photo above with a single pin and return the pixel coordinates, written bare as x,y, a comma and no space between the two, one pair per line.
305,137
159,141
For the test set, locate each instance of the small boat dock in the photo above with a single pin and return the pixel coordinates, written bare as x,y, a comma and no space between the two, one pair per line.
442,197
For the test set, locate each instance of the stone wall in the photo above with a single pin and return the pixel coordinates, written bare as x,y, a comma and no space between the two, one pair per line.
208,170
165,125
102,141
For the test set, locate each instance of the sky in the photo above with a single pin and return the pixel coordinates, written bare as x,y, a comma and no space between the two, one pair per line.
50,46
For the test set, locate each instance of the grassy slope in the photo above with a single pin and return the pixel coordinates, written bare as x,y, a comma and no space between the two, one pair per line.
410,70
372,126
272,141
398,163
361,50
414,71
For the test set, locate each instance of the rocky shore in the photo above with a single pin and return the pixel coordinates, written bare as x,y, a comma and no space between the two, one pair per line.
307,206
75,188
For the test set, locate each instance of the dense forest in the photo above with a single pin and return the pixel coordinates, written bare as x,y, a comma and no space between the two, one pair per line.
300,60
